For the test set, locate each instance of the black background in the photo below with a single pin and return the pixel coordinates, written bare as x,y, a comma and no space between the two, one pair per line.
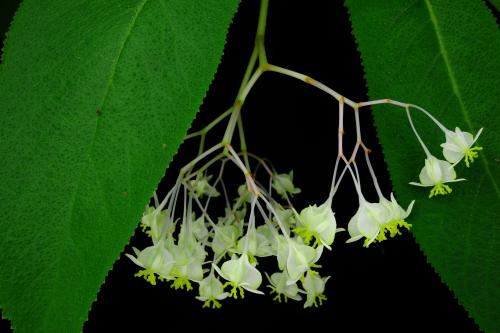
388,287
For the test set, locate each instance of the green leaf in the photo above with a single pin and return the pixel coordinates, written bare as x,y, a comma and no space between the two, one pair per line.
444,56
95,97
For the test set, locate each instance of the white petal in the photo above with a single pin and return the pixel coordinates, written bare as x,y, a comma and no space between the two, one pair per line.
477,136
368,227
456,180
352,227
452,156
251,275
353,239
299,259
421,185
134,260
255,291
425,179
447,171
410,207
217,269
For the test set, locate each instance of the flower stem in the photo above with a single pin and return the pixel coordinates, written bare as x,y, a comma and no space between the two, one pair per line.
416,133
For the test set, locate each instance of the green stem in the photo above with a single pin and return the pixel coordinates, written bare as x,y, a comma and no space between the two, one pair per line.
207,128
204,167
250,76
424,147
243,144
191,164
261,31
261,27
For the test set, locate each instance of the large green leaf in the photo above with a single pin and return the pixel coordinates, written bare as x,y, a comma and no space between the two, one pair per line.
443,55
95,97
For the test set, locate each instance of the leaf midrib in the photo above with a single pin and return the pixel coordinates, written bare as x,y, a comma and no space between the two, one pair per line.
92,141
456,90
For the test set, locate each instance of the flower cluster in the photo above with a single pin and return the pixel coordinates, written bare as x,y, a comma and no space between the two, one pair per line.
220,249
180,246
459,145
221,254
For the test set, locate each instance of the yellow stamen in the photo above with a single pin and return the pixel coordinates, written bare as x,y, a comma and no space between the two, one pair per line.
392,228
441,189
319,298
180,282
148,275
215,303
234,291
471,154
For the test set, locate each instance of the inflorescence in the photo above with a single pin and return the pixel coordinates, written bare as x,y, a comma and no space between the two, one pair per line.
261,220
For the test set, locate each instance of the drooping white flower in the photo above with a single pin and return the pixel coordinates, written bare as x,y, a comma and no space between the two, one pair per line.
396,219
318,222
189,255
296,258
258,243
188,266
154,221
240,274
199,228
459,145
225,239
211,290
367,221
244,194
283,184
280,287
436,173
201,187
314,285
373,220
154,259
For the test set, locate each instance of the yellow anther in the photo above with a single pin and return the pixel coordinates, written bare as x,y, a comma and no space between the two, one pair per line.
148,275
181,282
440,189
471,154
234,290
215,303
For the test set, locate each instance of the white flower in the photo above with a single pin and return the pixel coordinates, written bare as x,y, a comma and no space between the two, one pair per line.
244,194
436,173
258,243
201,187
296,257
189,256
211,291
154,259
225,239
286,216
241,275
459,145
367,221
283,184
280,287
314,285
373,220
154,221
199,229
396,219
318,222
188,266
